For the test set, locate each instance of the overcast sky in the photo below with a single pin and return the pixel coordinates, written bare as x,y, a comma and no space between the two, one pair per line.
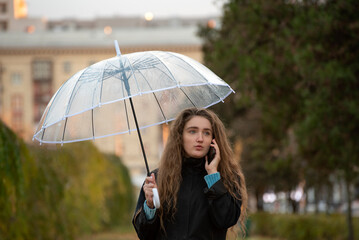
87,9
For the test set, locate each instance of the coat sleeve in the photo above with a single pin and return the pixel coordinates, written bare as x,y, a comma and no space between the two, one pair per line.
224,208
145,229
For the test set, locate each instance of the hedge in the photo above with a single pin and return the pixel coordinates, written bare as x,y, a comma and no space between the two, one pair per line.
60,193
301,227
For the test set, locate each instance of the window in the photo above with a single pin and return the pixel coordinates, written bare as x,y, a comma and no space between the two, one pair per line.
3,8
3,26
42,70
42,96
42,86
16,78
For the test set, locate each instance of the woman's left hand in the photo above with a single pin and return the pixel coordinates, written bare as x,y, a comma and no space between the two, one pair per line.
213,166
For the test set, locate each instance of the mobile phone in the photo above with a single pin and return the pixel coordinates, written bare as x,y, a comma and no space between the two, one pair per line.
210,155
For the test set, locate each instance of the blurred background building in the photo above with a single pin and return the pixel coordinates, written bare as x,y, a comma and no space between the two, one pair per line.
37,56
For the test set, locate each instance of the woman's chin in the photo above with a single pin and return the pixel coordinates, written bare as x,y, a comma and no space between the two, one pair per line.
197,155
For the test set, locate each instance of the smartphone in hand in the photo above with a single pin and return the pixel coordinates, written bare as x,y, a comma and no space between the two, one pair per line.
211,154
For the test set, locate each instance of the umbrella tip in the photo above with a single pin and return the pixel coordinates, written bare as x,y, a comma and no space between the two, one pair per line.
118,51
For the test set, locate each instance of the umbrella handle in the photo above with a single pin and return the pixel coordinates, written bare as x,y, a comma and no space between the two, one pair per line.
156,198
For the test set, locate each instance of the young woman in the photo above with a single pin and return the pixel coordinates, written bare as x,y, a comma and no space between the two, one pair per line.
200,197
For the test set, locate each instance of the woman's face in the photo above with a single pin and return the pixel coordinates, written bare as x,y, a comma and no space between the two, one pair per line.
197,137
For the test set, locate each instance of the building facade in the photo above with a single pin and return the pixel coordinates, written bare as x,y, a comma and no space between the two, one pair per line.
35,63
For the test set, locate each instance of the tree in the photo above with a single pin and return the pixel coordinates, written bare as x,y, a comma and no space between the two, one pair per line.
328,134
296,63
253,51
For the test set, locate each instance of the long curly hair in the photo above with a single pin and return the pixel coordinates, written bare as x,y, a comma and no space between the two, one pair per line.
169,173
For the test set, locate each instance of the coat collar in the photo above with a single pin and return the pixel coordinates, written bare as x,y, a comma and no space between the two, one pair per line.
193,164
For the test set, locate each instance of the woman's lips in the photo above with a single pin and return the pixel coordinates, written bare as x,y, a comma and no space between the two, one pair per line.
198,147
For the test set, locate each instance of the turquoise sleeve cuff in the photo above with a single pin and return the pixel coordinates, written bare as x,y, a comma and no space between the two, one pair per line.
150,213
212,179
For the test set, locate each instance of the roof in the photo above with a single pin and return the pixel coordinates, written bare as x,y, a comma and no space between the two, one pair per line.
96,38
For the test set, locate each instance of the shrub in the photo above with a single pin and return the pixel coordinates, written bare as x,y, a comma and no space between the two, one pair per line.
60,193
301,227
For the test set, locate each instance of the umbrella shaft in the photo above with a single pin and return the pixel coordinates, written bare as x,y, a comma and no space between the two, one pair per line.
139,136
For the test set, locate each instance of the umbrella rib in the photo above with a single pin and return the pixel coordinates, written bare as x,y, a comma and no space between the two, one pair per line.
133,73
153,92
63,133
93,127
103,73
174,79
42,136
124,102
53,99
72,92
146,67
197,72
143,63
117,68
194,105
162,72
107,135
159,105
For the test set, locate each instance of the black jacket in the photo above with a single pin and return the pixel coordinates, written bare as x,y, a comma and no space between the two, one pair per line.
202,213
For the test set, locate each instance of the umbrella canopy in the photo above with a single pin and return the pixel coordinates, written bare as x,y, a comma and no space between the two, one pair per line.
94,103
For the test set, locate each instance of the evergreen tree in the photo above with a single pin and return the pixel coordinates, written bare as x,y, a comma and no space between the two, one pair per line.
295,68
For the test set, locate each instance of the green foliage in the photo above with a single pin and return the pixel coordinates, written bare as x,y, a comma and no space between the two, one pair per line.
301,227
255,52
12,187
296,65
119,191
60,193
327,133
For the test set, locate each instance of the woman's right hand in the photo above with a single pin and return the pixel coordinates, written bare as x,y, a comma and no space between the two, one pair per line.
150,183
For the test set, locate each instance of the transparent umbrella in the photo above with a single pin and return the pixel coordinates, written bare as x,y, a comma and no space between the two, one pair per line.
100,100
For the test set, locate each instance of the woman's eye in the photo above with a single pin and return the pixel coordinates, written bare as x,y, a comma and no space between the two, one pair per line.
192,131
207,133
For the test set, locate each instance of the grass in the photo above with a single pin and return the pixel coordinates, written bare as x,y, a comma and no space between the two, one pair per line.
259,238
110,236
128,233
131,235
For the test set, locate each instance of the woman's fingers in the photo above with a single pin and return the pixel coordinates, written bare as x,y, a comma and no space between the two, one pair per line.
151,179
150,183
213,166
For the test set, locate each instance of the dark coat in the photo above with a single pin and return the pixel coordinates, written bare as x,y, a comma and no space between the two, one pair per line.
202,213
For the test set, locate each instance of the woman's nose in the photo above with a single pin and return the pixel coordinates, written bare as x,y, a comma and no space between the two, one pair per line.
200,138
